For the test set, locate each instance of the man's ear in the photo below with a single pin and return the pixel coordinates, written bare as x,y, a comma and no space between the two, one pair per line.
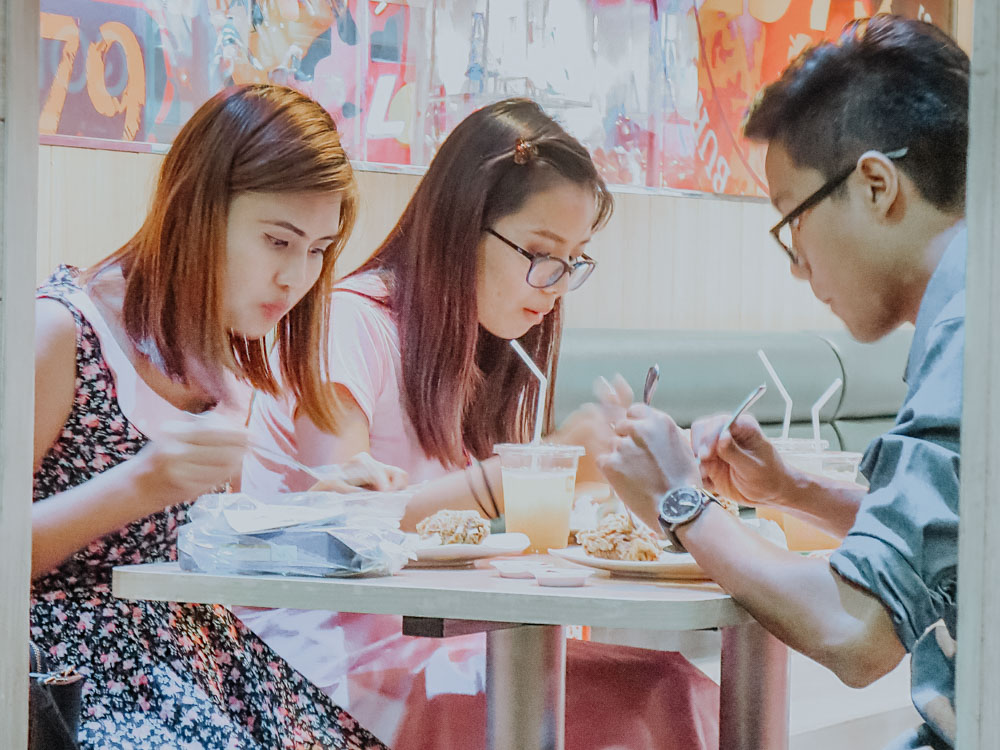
880,178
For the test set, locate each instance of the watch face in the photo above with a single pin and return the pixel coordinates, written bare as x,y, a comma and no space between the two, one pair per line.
680,504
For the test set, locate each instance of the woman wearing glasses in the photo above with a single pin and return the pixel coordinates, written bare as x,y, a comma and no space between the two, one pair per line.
493,238
425,379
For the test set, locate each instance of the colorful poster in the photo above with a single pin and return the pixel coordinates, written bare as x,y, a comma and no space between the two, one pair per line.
656,89
127,74
740,51
678,126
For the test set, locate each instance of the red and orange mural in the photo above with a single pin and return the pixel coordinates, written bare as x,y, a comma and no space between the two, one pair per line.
656,88
740,50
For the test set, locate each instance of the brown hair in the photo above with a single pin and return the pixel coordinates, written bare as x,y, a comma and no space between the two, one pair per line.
256,138
887,83
463,387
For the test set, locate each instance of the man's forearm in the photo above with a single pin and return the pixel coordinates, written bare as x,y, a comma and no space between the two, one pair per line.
802,601
828,504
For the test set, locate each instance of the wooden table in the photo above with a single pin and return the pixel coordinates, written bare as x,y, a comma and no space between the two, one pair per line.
525,638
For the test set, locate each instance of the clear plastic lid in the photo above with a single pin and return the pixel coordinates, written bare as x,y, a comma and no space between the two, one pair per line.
539,449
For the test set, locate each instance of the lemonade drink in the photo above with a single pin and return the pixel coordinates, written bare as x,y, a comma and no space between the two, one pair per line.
840,465
538,503
538,484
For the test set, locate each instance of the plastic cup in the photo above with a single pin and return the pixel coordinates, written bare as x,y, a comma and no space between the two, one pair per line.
538,485
803,455
841,465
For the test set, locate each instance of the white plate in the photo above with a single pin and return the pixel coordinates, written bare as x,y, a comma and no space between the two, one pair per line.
669,565
455,554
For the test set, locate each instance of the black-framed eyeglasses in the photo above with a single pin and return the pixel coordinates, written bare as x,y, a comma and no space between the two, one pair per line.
546,270
783,230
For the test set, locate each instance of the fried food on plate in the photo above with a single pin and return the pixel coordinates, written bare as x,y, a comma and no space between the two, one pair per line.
454,527
615,538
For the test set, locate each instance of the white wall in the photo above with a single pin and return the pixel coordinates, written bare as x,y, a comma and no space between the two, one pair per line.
665,261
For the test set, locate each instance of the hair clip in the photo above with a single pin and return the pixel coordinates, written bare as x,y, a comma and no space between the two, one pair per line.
524,151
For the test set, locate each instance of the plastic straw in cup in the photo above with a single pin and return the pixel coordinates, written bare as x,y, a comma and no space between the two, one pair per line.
542,388
819,405
781,389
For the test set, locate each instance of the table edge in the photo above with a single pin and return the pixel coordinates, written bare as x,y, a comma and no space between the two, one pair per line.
167,582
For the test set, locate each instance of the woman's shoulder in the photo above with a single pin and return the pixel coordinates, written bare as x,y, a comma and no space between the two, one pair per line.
58,337
59,320
361,319
364,297
68,288
62,284
369,285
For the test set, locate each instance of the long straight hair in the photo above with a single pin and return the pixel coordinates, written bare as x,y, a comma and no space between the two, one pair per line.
258,138
463,387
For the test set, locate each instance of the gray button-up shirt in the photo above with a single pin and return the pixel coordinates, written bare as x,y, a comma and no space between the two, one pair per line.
903,547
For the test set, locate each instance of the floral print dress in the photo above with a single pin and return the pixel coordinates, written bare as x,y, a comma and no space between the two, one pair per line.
159,675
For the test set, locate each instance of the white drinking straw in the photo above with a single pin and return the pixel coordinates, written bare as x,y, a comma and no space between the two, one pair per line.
781,389
819,405
543,385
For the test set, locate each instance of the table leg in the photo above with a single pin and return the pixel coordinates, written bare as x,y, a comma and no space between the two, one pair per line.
753,714
526,688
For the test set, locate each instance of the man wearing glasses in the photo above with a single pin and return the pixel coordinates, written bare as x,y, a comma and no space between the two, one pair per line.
866,161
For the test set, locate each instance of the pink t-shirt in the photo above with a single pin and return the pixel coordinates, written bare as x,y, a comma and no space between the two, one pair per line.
354,658
364,358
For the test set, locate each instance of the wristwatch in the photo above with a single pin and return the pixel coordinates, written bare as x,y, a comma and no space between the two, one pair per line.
679,506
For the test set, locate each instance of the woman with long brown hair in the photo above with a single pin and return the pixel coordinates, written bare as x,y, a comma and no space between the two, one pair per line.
425,377
254,201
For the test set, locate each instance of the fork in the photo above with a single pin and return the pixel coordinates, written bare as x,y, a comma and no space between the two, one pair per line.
652,379
749,401
319,473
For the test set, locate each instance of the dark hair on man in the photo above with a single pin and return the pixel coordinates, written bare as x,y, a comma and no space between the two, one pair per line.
888,83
